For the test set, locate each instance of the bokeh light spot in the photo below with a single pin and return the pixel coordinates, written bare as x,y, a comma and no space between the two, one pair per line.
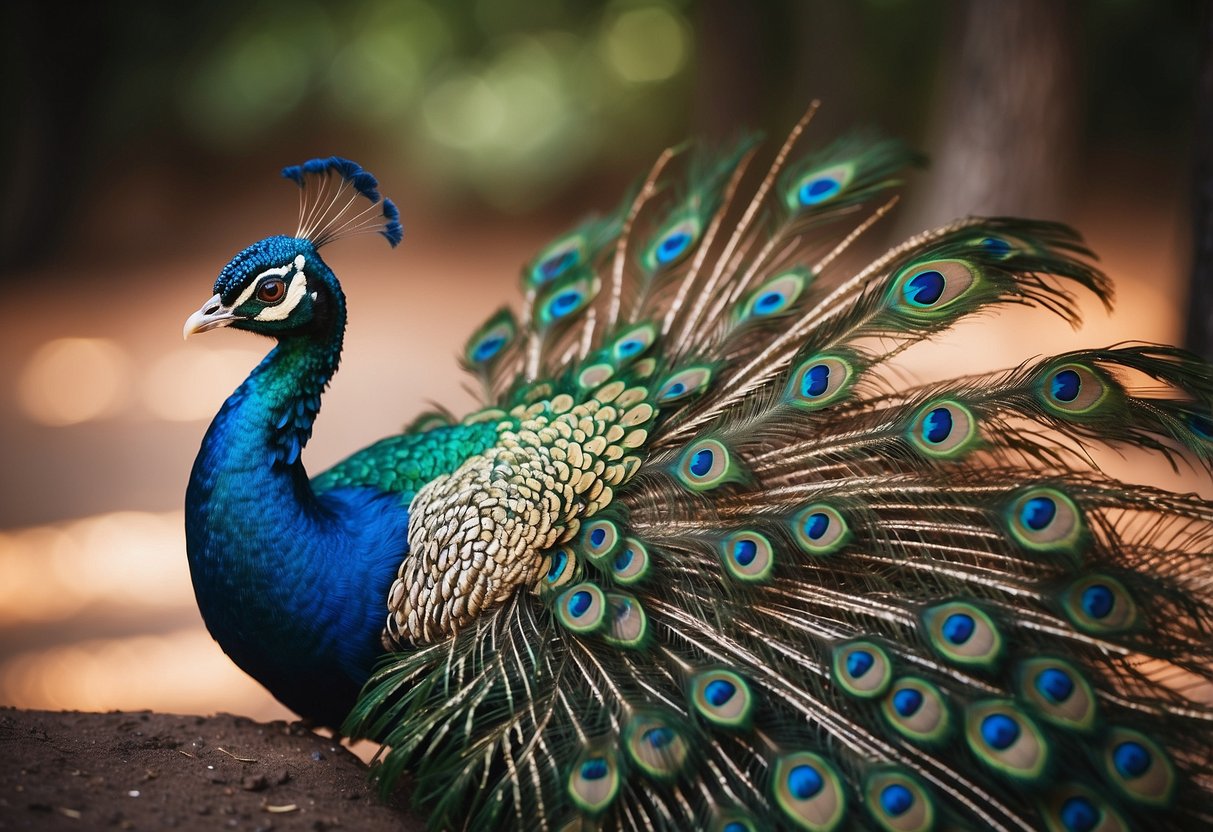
647,44
379,73
464,112
73,380
258,76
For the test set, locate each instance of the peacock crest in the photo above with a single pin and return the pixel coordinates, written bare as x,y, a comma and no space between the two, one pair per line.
704,559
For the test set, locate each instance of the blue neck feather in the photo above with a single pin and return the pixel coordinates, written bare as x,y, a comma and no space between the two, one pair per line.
292,584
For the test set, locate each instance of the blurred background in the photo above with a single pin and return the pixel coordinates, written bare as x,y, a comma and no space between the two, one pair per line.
141,147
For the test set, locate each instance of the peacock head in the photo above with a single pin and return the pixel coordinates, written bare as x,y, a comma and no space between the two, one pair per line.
277,287
280,286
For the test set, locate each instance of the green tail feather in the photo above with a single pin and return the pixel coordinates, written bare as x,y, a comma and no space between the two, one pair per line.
825,599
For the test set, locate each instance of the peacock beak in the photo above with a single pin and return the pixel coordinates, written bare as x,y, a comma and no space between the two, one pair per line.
212,314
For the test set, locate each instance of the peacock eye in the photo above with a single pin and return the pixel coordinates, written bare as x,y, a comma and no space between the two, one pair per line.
271,290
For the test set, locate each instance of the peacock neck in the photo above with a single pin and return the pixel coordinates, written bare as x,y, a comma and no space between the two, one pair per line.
270,560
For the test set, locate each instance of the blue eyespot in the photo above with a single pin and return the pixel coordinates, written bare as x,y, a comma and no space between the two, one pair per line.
996,246
999,731
630,347
565,303
1097,601
579,602
672,246
925,288
937,426
718,692
701,463
804,781
624,559
817,524
958,627
744,551
659,737
818,190
896,799
594,769
1038,512
487,349
597,536
815,381
907,701
1079,815
1055,685
768,303
1066,385
1131,759
557,264
559,561
859,662
675,389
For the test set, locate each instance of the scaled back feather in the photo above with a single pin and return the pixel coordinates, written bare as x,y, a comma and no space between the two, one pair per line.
704,558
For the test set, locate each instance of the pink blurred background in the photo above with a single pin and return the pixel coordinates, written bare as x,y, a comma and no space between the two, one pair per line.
495,126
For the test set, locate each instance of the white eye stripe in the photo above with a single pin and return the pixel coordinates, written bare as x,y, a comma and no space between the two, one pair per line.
294,293
278,271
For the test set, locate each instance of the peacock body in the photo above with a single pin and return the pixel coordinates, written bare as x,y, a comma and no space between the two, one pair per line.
704,559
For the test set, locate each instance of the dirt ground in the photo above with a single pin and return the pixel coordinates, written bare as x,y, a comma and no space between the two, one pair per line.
151,771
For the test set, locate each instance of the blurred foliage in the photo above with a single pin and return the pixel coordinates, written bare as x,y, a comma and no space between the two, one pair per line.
507,102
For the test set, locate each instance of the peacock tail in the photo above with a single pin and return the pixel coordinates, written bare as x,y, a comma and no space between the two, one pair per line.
705,559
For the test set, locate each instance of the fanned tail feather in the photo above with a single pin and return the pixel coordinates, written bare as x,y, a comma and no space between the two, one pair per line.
827,599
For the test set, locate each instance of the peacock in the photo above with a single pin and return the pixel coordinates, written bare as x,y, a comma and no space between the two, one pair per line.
706,558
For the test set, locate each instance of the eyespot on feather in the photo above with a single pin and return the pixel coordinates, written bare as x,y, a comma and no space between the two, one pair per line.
566,298
600,538
627,624
917,710
1073,389
672,244
819,381
818,187
582,608
656,745
1075,808
774,296
557,260
1057,692
809,791
633,343
943,429
631,563
594,781
1139,768
1100,604
862,668
687,382
706,464
748,556
722,697
490,341
1045,519
898,801
926,291
819,529
963,634
560,567
1006,739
